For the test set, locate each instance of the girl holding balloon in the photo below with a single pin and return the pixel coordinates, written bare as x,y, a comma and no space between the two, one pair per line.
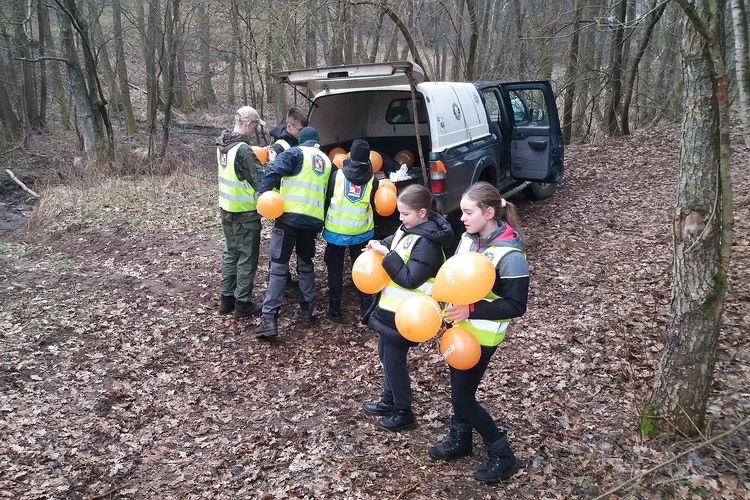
492,229
412,257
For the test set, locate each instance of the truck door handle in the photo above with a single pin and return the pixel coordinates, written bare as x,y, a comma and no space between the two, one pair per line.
538,145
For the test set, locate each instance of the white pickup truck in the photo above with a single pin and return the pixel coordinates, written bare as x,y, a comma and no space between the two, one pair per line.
507,134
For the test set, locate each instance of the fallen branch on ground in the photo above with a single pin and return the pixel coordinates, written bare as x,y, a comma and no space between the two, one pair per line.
18,181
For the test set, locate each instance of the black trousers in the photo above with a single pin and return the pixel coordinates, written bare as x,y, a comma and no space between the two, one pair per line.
396,381
467,410
334,259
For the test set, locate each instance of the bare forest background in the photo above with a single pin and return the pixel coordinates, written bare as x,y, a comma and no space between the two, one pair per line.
107,70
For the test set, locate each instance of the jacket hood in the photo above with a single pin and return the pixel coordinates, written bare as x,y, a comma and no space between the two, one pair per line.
357,172
436,229
228,139
281,132
503,236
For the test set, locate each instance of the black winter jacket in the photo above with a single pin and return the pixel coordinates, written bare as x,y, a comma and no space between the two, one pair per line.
426,258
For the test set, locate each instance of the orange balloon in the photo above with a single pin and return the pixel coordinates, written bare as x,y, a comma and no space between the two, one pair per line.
418,318
270,204
338,160
465,278
405,156
385,201
261,153
335,151
376,160
385,183
460,348
368,273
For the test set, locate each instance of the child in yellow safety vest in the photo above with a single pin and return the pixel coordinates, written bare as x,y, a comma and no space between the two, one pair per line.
492,229
349,222
412,258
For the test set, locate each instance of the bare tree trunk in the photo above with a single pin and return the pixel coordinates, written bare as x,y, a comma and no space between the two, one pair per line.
471,6
208,96
742,57
615,79
701,231
115,98
376,42
171,26
11,124
53,68
571,73
90,109
122,69
656,13
182,95
28,73
347,32
151,32
40,10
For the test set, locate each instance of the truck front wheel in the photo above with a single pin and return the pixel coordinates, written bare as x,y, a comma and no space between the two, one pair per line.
540,190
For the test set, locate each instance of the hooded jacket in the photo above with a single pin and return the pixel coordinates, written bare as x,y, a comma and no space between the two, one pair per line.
246,164
426,258
281,132
358,173
511,275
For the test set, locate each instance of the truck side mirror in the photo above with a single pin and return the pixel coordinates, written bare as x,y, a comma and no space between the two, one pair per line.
537,114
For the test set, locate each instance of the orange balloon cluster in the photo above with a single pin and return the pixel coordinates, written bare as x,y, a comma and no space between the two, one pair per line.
368,273
418,318
376,161
460,348
404,156
385,201
261,154
336,151
270,204
465,278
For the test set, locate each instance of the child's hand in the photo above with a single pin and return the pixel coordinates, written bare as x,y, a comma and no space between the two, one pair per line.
377,247
456,314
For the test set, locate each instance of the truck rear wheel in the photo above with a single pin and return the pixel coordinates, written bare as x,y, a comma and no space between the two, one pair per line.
540,190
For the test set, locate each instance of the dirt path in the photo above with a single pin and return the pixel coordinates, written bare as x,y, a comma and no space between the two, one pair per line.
118,379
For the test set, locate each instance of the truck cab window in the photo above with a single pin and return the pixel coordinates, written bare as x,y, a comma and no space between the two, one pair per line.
400,111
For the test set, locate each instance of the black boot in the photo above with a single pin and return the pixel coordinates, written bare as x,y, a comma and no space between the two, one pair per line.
457,445
383,407
245,309
291,286
333,310
399,420
267,328
226,306
306,315
499,462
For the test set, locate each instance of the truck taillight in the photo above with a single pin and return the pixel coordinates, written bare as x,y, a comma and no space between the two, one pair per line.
437,177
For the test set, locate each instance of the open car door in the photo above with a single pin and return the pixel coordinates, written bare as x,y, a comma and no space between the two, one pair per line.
536,146
351,77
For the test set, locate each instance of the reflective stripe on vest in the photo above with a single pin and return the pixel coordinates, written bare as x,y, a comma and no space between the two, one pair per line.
487,332
393,295
234,195
283,143
350,211
305,193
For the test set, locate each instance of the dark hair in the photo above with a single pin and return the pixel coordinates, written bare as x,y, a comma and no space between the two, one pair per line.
485,195
297,115
417,196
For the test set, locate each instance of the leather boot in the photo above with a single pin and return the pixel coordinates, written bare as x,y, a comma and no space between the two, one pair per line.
245,309
226,306
457,445
306,315
499,462
384,407
267,328
399,420
333,310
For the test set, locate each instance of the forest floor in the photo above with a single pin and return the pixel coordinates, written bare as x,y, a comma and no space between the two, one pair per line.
119,379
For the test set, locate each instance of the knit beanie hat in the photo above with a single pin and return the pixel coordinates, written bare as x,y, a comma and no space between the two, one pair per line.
360,151
308,134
